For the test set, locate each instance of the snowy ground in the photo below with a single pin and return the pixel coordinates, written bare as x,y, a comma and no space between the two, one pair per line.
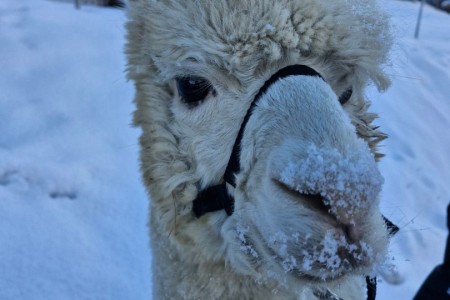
73,211
415,112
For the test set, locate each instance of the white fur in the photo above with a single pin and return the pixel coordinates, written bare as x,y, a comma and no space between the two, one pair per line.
276,236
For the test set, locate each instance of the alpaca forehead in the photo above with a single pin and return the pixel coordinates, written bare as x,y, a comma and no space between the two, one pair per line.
239,34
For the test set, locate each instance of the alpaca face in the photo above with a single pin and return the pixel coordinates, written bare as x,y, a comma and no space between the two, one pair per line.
306,197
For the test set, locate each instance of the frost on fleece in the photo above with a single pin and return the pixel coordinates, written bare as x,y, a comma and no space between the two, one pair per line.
325,252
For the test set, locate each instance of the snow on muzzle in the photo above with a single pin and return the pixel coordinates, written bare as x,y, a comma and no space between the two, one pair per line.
347,184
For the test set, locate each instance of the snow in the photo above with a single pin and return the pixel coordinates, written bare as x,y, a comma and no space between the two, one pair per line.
73,211
269,27
350,181
244,246
415,113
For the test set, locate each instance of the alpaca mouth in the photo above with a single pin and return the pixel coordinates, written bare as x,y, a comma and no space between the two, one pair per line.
316,259
323,265
316,269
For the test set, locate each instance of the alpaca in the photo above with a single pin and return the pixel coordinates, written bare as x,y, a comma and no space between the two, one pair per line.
257,146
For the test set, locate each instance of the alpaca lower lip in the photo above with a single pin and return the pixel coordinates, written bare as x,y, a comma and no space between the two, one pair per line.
318,271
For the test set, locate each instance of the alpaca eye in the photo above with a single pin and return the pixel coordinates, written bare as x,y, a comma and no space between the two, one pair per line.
193,90
345,96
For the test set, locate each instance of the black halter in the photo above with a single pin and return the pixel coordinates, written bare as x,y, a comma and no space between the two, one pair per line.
216,197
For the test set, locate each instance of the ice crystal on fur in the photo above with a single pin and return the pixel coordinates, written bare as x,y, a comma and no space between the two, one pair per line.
326,253
245,247
344,182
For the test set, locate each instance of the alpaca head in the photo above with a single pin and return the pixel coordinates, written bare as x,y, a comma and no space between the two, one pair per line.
306,192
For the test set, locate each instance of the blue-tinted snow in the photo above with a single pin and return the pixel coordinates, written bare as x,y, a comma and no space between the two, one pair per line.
73,212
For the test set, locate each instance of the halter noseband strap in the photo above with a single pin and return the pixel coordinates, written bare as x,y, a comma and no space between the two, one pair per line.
216,197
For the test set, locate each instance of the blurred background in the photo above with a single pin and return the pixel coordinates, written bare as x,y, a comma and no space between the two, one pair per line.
73,211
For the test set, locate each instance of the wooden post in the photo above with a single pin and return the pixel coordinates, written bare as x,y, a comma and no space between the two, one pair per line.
77,4
419,19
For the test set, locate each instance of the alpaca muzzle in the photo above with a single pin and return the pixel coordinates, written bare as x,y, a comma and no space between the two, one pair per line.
345,185
333,177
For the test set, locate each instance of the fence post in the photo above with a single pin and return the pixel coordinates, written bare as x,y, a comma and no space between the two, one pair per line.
77,4
419,19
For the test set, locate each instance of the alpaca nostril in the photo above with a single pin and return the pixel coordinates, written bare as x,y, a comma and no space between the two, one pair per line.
317,202
351,232
312,201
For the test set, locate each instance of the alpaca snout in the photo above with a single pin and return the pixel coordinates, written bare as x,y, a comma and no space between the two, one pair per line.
343,184
341,225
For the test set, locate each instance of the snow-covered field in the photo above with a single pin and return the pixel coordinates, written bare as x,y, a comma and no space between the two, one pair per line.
72,208
415,112
73,212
